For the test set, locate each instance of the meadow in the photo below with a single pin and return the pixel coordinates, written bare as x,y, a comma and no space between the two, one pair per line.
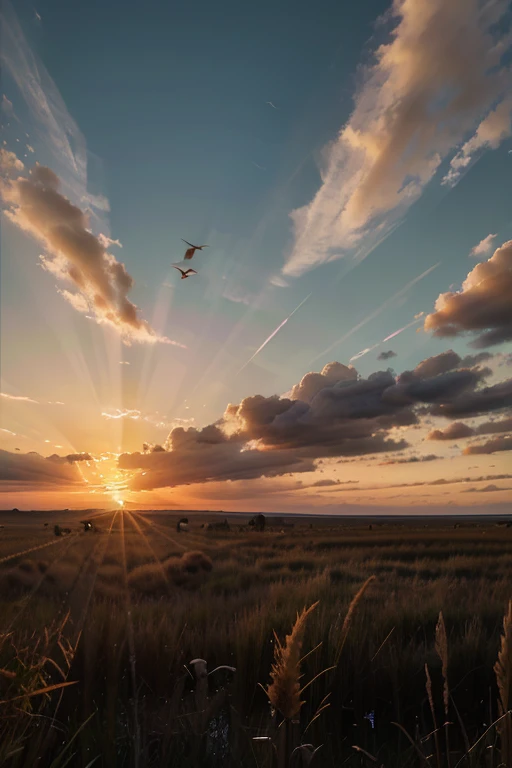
135,645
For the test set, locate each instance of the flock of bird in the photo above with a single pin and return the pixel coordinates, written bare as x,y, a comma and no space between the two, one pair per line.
188,255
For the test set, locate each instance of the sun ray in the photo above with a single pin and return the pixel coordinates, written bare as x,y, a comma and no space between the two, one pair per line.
131,647
150,548
26,600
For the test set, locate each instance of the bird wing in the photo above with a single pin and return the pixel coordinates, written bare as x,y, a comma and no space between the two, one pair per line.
204,246
191,272
187,242
178,268
189,253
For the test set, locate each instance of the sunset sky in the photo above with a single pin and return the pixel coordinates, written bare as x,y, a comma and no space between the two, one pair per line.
347,342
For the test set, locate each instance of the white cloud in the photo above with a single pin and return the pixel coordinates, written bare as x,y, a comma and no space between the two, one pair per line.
122,413
438,75
20,398
493,129
484,246
9,163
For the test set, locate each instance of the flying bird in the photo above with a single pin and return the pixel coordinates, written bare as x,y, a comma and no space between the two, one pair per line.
271,105
193,248
185,273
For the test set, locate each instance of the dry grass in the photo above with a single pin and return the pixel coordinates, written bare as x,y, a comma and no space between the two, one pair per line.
284,692
221,597
503,671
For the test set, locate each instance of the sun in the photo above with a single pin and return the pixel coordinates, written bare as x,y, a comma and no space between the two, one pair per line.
120,502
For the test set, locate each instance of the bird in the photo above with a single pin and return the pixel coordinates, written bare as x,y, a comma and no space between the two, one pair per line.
271,104
185,273
193,248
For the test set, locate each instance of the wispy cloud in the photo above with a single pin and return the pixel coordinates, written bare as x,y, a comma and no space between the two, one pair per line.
484,246
494,129
385,305
122,413
436,78
274,333
20,398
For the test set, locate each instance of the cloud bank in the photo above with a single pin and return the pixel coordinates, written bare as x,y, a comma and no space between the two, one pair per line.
332,413
31,469
440,74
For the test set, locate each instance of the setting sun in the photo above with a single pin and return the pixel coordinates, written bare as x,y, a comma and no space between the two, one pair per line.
255,357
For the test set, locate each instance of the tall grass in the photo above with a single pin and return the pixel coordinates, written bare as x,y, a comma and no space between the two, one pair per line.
390,607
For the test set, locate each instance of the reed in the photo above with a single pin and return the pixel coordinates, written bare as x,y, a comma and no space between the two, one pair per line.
503,672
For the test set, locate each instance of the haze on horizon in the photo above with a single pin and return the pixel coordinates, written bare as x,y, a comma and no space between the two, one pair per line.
346,343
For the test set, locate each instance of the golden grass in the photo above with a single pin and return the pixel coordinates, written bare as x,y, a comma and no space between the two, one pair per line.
349,616
284,692
503,671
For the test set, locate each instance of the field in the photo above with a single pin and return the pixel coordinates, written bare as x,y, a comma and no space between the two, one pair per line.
113,618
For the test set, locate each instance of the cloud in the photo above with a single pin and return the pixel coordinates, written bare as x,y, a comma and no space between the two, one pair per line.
493,427
77,256
312,383
444,362
487,489
438,75
473,402
9,163
493,129
20,398
324,483
71,458
386,355
199,456
455,431
491,446
124,413
332,413
484,247
411,460
482,305
274,333
21,469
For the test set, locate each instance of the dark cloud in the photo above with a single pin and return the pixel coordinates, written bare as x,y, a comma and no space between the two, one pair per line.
194,456
482,306
71,458
410,460
386,355
444,362
494,427
487,489
332,414
312,383
455,431
491,446
476,402
324,483
32,469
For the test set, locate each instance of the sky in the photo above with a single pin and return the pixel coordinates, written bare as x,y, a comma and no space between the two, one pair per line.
346,343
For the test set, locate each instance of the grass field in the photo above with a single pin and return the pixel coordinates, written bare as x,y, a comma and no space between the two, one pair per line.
120,613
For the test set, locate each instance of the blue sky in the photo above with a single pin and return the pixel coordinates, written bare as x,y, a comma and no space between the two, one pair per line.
170,100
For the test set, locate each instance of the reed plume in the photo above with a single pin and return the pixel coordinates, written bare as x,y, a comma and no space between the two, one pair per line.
350,615
428,686
441,645
284,691
503,671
